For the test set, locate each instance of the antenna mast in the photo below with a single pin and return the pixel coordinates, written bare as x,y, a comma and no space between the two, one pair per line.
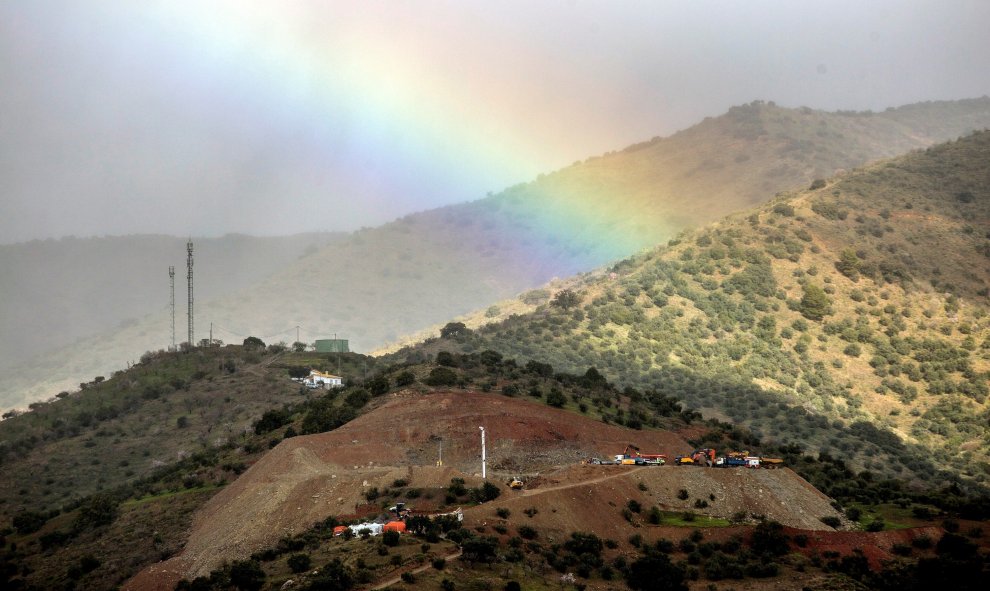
171,285
189,277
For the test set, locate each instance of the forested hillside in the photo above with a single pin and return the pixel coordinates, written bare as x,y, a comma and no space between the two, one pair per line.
383,283
849,318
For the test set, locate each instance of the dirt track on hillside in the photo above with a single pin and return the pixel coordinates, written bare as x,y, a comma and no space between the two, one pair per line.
591,498
306,479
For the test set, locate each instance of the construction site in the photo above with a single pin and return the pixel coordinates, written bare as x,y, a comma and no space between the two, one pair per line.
542,460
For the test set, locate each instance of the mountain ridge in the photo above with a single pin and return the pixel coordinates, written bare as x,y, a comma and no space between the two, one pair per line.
449,261
860,303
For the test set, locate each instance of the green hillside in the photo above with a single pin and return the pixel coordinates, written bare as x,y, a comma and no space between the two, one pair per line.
383,283
850,318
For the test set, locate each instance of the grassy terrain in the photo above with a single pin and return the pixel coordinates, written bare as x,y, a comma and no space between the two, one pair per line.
122,518
380,284
850,319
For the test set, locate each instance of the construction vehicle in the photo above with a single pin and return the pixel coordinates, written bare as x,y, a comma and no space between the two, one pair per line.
516,483
743,459
699,457
730,462
632,456
732,459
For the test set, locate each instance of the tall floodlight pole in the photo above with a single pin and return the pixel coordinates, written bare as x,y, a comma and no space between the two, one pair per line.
189,278
483,475
171,285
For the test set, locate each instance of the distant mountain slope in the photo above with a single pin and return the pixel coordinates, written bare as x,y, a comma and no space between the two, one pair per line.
56,291
386,282
851,318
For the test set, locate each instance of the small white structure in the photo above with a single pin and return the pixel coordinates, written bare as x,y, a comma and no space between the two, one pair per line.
318,379
374,529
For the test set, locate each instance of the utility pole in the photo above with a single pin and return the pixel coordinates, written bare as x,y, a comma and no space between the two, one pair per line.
483,474
189,279
211,335
440,461
171,285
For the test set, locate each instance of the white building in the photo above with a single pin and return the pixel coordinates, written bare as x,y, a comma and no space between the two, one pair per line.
318,379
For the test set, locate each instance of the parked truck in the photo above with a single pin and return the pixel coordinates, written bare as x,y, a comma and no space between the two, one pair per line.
632,456
743,459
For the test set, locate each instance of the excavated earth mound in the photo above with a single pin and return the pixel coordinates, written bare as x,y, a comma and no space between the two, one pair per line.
305,479
592,499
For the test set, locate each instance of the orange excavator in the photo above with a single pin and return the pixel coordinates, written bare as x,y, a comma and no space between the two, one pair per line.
699,457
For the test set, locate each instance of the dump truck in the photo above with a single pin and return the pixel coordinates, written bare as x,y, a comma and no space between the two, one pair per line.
730,462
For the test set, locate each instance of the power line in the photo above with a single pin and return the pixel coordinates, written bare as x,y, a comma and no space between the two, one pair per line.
289,331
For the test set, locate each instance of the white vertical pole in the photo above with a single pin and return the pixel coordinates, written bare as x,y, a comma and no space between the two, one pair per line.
483,475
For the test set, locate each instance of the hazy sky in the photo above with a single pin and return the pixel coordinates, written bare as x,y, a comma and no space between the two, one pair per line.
202,118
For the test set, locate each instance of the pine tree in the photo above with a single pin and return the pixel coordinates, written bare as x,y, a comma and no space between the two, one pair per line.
815,305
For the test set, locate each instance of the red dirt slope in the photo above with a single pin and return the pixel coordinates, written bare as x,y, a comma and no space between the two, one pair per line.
306,479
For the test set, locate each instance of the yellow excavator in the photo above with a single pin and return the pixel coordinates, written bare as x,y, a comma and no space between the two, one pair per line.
516,483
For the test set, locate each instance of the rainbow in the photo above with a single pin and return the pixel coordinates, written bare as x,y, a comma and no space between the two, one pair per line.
376,93
404,122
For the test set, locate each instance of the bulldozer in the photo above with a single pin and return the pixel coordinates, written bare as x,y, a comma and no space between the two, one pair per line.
516,483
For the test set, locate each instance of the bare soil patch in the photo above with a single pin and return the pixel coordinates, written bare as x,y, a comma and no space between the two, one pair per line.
308,478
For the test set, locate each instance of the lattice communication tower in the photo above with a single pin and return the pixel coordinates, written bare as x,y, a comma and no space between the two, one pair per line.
189,278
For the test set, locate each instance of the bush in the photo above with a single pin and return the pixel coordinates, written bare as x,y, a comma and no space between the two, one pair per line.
454,329
390,538
831,521
655,572
769,539
875,525
28,522
378,385
247,575
357,398
406,378
96,511
486,492
271,420
299,562
556,398
254,343
332,577
565,299
441,376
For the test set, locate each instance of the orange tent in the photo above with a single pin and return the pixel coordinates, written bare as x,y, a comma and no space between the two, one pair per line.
399,526
339,530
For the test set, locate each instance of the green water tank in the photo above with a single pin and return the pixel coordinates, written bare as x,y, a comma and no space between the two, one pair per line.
332,346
